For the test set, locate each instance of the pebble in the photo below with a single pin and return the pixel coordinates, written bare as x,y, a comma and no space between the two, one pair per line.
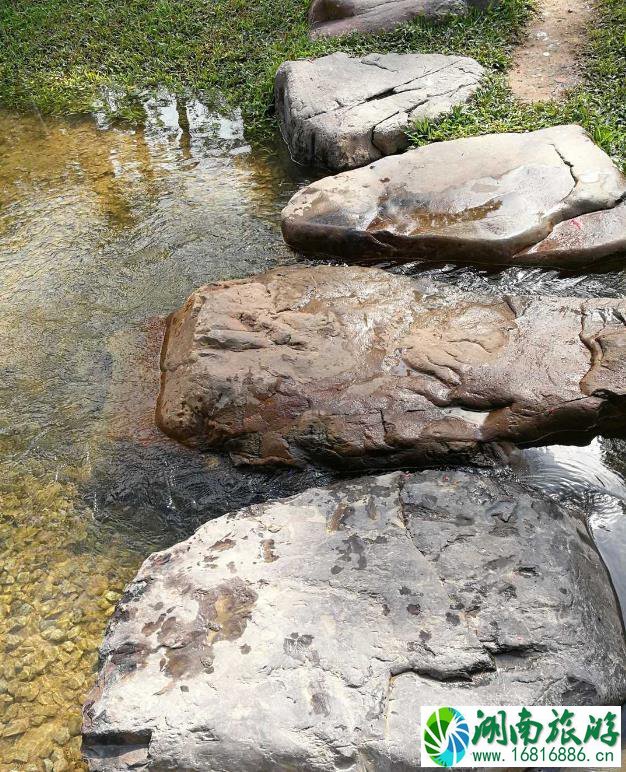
16,728
55,634
53,612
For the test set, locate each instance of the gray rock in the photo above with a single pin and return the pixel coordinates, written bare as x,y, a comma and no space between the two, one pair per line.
305,634
342,112
482,200
359,368
340,17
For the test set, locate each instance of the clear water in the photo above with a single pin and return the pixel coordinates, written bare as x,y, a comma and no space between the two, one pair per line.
103,232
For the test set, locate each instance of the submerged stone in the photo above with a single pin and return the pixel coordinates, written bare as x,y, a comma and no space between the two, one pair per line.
340,17
485,200
342,112
359,368
306,633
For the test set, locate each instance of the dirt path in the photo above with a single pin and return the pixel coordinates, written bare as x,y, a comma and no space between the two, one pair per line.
547,64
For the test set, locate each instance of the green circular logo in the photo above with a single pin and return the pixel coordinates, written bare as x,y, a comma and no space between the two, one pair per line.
446,736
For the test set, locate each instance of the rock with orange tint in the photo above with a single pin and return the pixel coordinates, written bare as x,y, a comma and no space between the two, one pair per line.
583,240
341,17
483,200
358,368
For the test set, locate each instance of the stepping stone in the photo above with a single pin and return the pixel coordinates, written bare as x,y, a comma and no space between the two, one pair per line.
483,200
342,112
305,634
340,17
585,239
359,368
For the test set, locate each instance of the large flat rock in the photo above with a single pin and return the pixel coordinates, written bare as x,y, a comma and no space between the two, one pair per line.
305,634
485,200
340,17
342,112
359,368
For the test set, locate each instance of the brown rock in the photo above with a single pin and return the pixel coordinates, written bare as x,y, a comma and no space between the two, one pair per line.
363,369
340,17
583,239
484,200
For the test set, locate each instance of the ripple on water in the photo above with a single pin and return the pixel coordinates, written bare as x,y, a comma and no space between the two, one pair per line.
103,231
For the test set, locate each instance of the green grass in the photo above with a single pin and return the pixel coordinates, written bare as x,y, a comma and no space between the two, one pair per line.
58,55
599,104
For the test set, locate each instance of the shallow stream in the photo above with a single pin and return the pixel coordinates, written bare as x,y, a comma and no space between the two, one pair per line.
104,231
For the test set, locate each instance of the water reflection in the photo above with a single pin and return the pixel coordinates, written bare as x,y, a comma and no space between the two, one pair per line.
593,479
103,231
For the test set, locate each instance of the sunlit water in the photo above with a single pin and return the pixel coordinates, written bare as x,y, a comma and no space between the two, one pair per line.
104,231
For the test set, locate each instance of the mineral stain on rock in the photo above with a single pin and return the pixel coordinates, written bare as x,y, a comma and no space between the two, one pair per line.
389,371
269,556
186,640
306,672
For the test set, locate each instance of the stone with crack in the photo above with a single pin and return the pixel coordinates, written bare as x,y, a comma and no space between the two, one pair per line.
585,239
341,112
341,17
374,597
484,200
358,368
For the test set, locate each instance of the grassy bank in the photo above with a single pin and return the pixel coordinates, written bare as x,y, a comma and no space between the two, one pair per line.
58,55
599,104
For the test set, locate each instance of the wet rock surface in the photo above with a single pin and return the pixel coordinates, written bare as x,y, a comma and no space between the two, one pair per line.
305,633
359,368
340,17
482,200
586,238
342,112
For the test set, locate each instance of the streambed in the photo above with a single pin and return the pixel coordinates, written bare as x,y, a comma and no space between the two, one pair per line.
103,231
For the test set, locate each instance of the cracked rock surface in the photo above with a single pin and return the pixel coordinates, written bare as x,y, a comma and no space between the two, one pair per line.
342,112
359,368
340,17
304,634
485,200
